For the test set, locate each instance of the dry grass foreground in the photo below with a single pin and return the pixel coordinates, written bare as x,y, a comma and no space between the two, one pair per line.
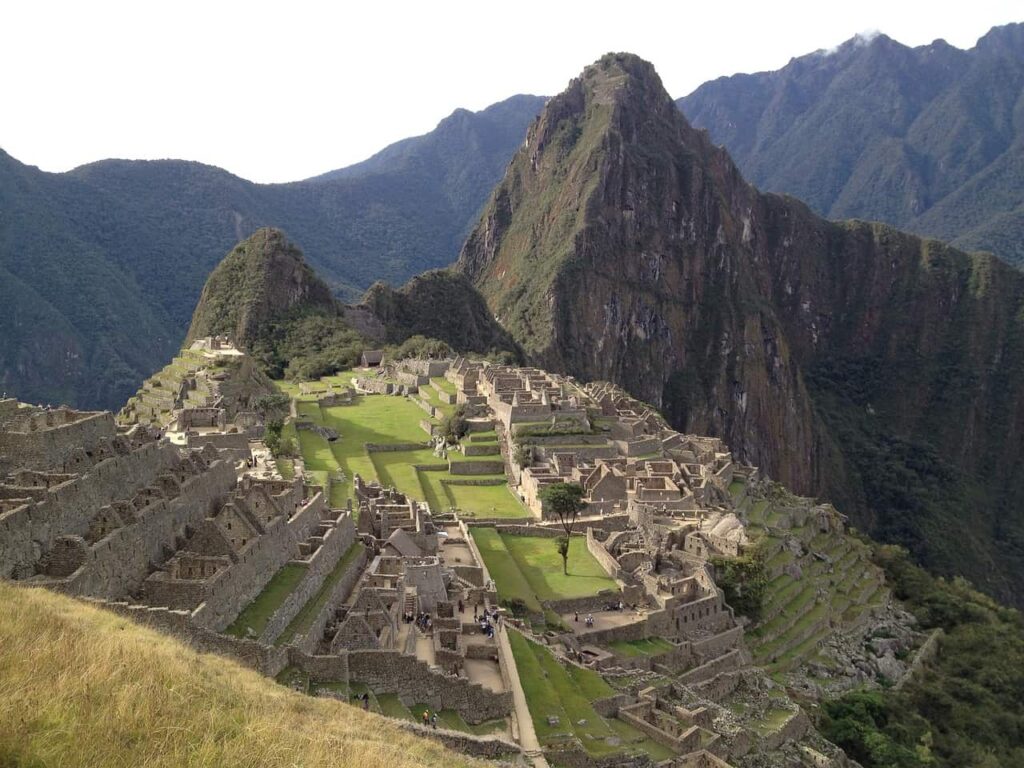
80,686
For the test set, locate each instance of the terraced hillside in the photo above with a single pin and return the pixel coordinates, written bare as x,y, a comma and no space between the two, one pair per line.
822,580
385,438
196,379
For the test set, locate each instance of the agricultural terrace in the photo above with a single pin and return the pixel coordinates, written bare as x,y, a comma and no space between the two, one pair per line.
393,420
560,701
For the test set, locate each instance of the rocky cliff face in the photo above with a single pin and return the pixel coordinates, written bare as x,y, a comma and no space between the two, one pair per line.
848,360
439,304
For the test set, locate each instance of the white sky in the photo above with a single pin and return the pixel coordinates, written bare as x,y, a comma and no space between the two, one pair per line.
286,90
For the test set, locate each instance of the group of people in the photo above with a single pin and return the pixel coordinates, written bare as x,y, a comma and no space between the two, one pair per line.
489,620
588,619
429,718
422,620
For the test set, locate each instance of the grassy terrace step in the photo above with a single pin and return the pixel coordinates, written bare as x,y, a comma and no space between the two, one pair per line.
797,631
256,615
308,613
554,690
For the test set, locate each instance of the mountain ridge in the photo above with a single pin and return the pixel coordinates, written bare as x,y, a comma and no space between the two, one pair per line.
923,137
622,245
103,264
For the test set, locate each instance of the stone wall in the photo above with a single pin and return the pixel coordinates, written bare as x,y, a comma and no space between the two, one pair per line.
68,509
263,658
336,543
488,747
256,565
119,562
50,447
457,467
596,548
310,641
415,683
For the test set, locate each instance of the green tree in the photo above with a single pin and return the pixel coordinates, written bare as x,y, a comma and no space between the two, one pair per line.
565,501
455,425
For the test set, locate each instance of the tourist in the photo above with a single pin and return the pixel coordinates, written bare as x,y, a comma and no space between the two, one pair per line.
576,616
433,721
426,716
461,607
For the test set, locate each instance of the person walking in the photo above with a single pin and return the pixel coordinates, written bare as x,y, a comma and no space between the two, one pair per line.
426,716
433,721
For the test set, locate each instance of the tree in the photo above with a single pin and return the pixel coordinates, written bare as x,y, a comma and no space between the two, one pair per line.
455,426
523,455
565,501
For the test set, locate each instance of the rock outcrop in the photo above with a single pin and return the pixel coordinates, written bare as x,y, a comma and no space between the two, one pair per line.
848,360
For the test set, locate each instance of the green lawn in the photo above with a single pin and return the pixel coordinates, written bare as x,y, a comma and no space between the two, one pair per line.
305,617
529,568
554,690
542,565
258,612
487,501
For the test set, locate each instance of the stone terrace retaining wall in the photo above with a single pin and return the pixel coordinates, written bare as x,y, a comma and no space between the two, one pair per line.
457,467
309,641
490,747
336,543
263,658
415,683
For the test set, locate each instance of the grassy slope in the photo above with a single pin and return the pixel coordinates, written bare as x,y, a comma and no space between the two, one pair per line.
93,689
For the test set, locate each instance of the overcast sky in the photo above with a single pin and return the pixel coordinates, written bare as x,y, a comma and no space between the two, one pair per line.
286,90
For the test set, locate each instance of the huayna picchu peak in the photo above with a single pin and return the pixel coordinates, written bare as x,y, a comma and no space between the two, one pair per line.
659,470
849,360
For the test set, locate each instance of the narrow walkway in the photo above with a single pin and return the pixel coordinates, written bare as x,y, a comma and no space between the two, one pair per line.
520,711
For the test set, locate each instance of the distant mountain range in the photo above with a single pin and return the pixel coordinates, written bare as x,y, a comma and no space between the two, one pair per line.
100,267
930,139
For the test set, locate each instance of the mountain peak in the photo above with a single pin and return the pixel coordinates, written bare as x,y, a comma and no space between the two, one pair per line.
263,277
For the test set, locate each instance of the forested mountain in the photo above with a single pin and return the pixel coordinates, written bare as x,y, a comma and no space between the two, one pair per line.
930,139
849,360
101,267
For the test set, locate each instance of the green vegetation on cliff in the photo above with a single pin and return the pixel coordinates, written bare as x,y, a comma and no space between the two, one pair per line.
965,707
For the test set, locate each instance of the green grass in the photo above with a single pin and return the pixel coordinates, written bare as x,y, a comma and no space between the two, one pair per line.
651,646
529,568
508,578
542,565
487,501
552,689
443,384
305,617
258,612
